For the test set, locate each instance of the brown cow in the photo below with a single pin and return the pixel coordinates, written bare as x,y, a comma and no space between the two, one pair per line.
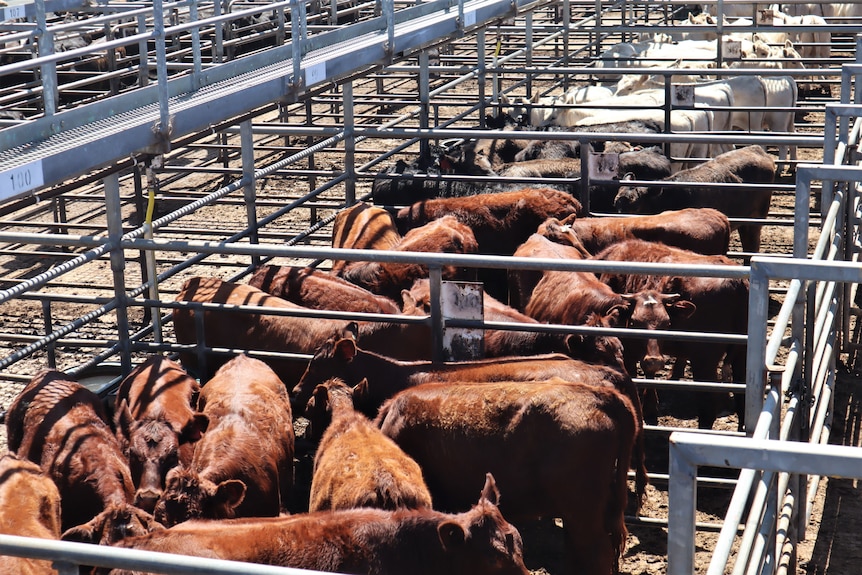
702,230
277,333
601,349
62,426
29,507
243,465
500,221
366,541
341,357
721,306
355,464
553,239
317,289
156,425
556,446
444,235
749,165
362,227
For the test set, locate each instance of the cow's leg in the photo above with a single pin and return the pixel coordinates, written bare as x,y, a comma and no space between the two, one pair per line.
749,237
705,368
588,546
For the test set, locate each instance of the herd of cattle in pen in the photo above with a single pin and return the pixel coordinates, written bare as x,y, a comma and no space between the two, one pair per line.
417,462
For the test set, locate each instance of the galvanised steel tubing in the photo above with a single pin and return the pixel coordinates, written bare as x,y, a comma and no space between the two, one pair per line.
688,451
446,133
147,561
739,501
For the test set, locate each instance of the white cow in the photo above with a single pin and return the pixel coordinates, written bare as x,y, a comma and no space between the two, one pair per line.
542,109
813,44
749,96
781,92
834,12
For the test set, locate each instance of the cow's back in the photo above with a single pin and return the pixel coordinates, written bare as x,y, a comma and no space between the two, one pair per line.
519,431
29,507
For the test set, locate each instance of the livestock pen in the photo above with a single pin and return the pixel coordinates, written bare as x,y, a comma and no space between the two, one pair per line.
191,138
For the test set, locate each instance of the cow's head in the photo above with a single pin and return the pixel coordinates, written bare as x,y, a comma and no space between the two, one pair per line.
328,397
599,348
653,310
155,446
115,523
481,540
630,199
330,360
189,496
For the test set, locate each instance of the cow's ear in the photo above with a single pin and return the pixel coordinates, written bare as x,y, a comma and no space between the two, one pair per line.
345,350
683,308
451,534
351,330
194,428
123,419
84,533
573,342
490,493
447,164
231,492
408,302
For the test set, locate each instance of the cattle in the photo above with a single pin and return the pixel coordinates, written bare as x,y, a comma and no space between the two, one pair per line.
702,230
586,435
362,227
62,426
368,541
749,96
698,121
317,289
500,222
408,182
355,465
721,306
156,424
600,349
341,358
256,331
644,163
553,239
29,507
808,43
537,111
749,165
243,465
781,95
446,234
835,12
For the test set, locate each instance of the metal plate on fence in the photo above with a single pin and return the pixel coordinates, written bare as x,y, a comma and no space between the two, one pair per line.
604,167
462,300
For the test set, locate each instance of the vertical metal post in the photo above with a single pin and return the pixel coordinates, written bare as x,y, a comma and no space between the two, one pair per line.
480,73
218,57
249,183
143,66
389,22
51,348
296,44
758,312
436,279
50,93
424,101
161,70
528,49
349,144
113,209
682,492
197,79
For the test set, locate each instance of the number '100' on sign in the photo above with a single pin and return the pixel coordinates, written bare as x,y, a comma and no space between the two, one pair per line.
21,179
